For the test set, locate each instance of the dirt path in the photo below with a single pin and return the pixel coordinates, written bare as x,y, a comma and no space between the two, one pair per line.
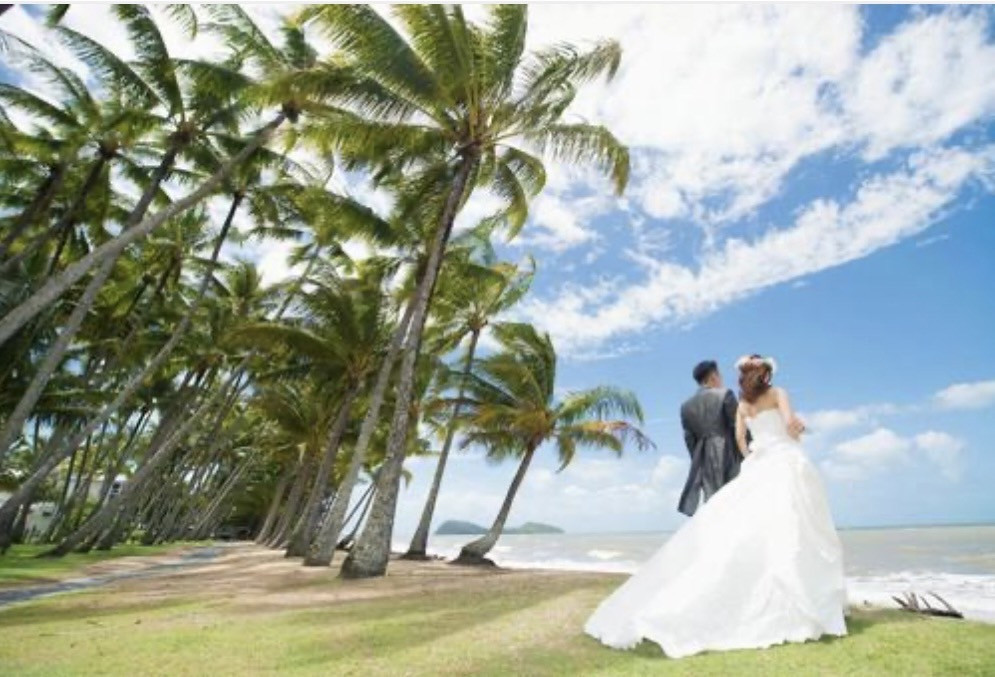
104,573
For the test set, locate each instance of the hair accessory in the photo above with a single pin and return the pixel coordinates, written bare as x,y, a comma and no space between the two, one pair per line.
745,359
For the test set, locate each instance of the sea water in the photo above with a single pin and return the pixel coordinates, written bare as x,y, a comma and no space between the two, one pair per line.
956,562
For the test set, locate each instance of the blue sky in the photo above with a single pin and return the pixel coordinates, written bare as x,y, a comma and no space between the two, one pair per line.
833,208
809,182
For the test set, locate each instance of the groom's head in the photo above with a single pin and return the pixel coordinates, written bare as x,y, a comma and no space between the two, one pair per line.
707,374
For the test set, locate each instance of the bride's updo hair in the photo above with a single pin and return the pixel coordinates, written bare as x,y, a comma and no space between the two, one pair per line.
754,379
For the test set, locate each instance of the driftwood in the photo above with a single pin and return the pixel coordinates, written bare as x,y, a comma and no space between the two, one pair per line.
920,605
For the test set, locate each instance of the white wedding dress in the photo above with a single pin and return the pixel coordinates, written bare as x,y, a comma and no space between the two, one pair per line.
758,565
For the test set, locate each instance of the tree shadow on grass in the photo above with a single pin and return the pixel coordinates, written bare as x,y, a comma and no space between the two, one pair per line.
376,629
81,607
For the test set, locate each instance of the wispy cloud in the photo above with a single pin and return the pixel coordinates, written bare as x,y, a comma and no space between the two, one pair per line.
976,395
970,395
883,449
886,209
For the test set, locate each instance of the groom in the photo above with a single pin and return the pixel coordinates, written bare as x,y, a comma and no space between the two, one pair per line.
709,422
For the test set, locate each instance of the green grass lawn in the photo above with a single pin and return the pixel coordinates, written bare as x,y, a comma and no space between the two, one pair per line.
497,625
20,566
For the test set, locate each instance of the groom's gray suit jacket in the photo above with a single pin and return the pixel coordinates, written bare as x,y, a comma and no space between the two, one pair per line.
709,422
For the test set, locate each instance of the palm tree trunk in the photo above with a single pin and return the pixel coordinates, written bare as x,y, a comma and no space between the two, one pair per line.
64,226
304,531
57,285
274,506
130,388
364,502
52,360
474,552
54,356
324,546
151,465
115,528
290,511
419,542
160,510
114,465
201,529
370,555
21,523
80,489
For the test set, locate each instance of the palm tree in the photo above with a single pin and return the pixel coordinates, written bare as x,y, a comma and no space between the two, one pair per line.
470,296
472,103
511,410
129,389
342,339
289,78
154,65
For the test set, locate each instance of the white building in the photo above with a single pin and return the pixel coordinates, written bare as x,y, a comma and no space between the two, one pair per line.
42,512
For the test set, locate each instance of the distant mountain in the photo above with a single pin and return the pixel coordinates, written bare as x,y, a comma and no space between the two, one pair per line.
455,527
535,528
458,528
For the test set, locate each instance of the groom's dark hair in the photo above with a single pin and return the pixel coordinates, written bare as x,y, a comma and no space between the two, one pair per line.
703,370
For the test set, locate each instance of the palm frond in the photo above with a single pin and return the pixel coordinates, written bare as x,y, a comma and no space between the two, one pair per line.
582,143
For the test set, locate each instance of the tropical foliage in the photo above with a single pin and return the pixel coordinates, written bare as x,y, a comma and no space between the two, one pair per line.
156,385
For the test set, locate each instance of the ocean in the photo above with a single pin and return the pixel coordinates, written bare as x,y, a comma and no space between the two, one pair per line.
956,562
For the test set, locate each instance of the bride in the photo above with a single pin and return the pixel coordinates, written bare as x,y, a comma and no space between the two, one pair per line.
758,565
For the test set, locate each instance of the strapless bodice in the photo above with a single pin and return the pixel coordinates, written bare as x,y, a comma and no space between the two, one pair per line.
768,426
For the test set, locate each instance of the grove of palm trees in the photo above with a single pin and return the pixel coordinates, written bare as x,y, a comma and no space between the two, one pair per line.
156,388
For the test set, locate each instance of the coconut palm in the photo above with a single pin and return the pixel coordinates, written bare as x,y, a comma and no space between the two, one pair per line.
342,339
476,106
154,65
287,77
512,410
470,296
129,389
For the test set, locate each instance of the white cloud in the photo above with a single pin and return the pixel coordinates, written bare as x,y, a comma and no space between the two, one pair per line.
944,450
825,422
931,77
272,263
722,99
668,469
558,223
882,446
883,449
885,209
861,457
975,395
593,470
721,102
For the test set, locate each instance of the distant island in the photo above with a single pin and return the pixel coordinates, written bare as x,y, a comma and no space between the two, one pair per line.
458,528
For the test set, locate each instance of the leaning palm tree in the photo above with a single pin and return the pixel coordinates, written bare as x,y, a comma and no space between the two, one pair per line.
342,338
511,410
286,80
471,295
477,111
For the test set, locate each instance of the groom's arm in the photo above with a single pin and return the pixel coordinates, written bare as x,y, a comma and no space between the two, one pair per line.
730,405
689,437
730,412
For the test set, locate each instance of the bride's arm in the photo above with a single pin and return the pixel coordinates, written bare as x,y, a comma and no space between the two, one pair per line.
787,413
741,431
